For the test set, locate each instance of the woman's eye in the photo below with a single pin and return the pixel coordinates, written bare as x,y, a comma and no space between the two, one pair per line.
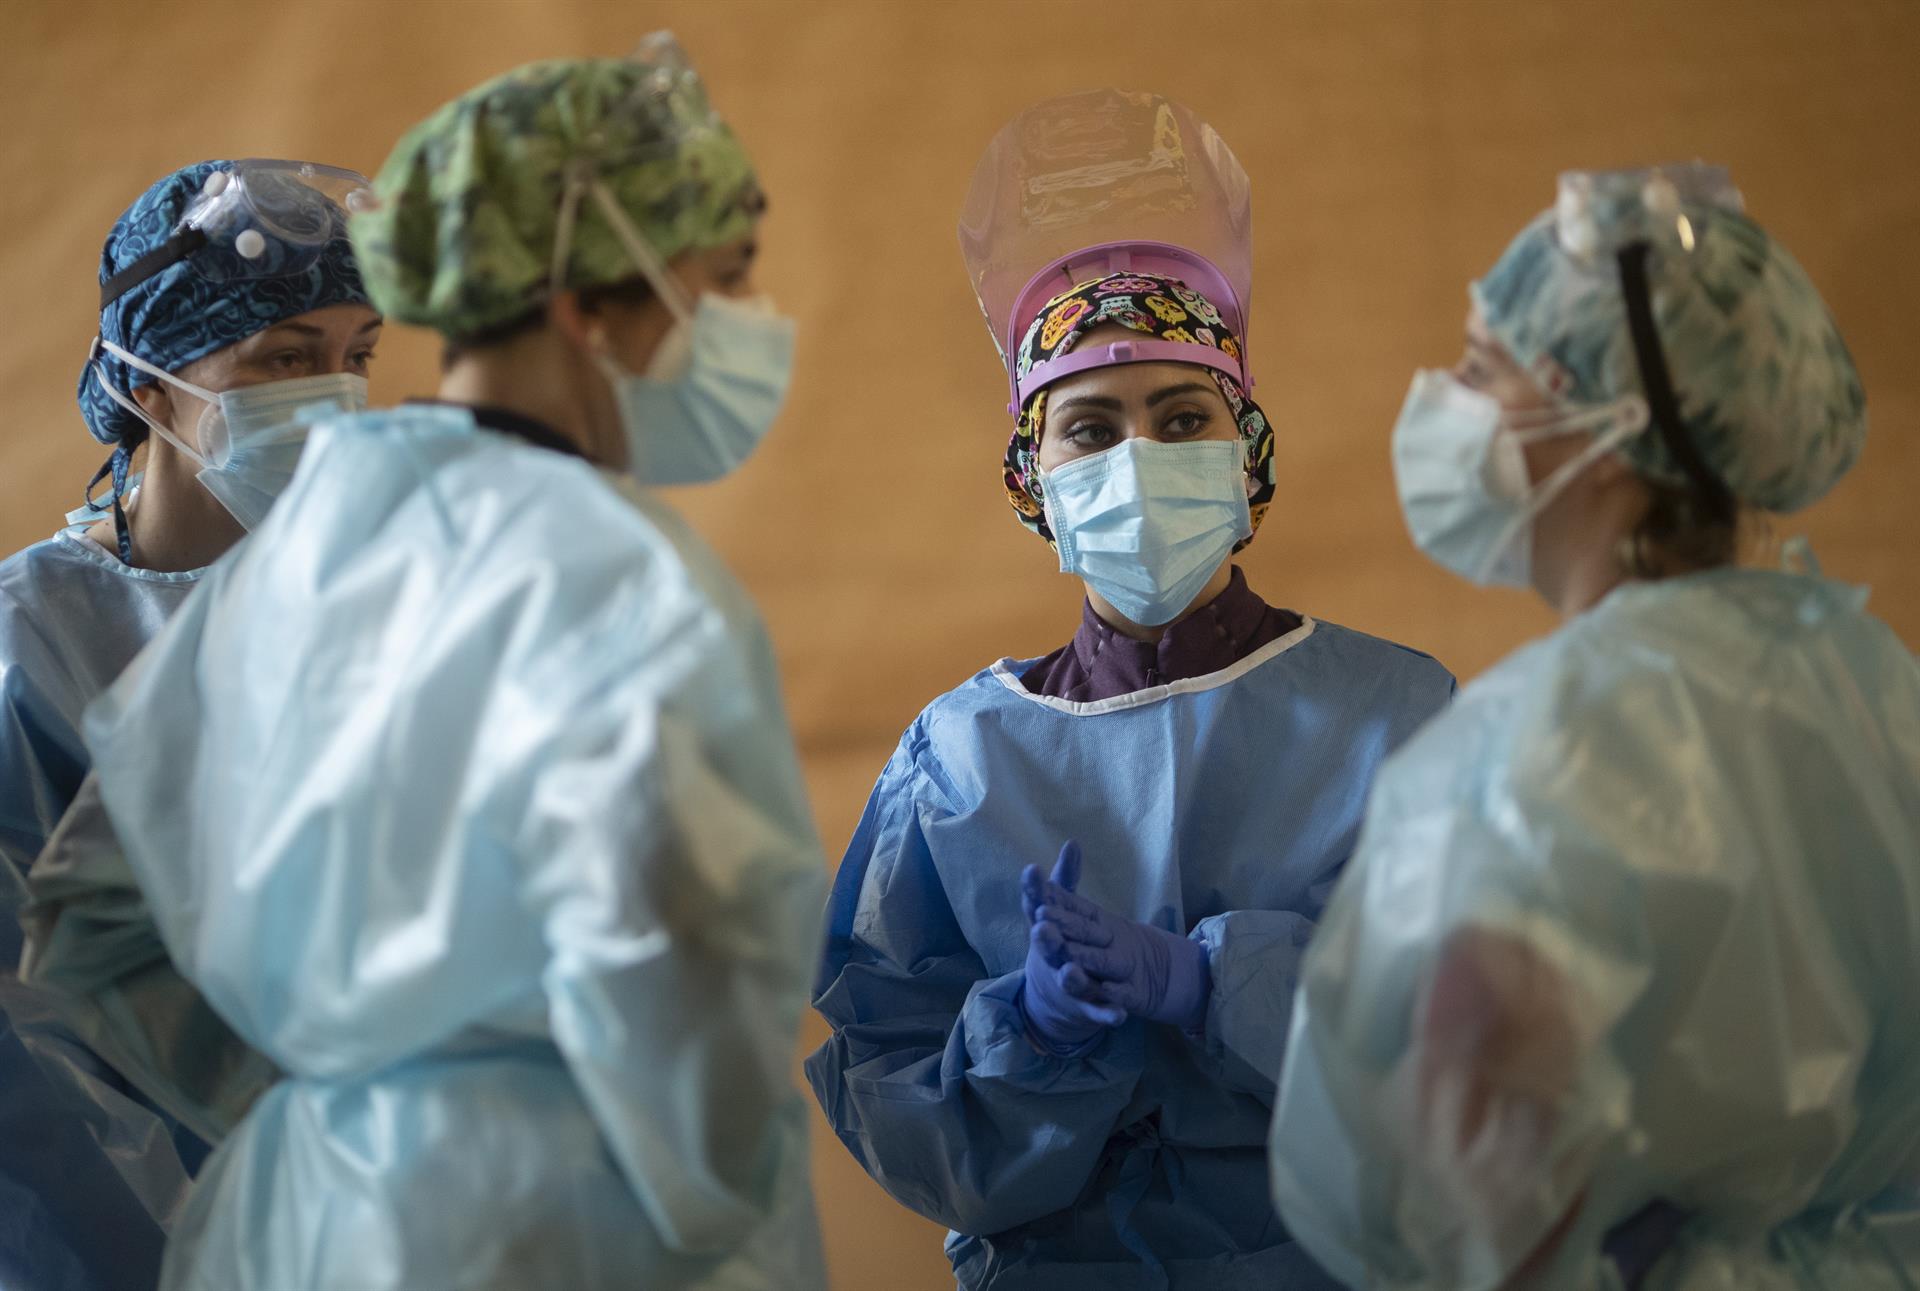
1183,425
1089,434
288,361
362,360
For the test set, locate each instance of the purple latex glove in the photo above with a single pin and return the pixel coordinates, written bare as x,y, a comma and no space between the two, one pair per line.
1148,971
1063,1008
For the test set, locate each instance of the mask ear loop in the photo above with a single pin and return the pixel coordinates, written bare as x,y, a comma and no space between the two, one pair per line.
644,257
122,457
563,234
1551,423
134,361
1629,416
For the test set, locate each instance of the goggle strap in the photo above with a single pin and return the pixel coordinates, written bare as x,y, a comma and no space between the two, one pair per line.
171,252
1658,383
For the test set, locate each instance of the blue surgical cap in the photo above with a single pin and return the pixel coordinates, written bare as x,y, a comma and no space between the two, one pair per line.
1766,389
178,315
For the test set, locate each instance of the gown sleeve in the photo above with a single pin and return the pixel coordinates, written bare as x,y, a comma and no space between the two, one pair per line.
1254,958
1449,1088
92,938
679,895
929,1078
42,757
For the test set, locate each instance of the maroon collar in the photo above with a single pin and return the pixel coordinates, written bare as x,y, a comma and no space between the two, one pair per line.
1101,663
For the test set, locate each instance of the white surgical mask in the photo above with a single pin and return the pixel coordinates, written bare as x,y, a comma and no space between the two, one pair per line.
1462,475
715,383
1146,524
250,437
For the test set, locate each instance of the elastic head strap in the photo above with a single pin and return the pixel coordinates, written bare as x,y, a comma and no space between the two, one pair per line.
171,252
1658,384
1112,355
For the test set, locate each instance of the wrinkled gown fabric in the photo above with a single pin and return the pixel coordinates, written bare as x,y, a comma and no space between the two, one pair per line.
1638,919
465,794
1222,807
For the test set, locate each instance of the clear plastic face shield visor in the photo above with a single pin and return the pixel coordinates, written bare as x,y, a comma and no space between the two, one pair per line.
262,218
1100,182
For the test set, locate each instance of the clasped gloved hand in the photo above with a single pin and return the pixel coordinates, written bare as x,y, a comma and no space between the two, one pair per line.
1106,962
1063,1008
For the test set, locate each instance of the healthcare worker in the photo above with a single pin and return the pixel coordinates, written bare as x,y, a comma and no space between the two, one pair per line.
1619,988
464,791
1064,937
228,301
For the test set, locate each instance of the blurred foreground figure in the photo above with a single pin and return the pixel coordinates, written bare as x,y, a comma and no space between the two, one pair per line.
1620,986
464,791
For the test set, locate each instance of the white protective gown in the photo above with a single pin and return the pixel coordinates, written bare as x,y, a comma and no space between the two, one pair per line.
1637,920
465,794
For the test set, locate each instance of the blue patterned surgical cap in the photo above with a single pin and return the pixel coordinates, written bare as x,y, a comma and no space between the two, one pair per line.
178,315
1766,390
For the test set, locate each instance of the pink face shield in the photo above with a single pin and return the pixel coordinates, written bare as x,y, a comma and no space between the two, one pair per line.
1102,182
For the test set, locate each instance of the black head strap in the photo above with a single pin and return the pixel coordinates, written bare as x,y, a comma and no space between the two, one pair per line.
171,252
1658,384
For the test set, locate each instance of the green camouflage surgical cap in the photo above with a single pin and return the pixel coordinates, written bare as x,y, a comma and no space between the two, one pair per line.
1765,386
462,238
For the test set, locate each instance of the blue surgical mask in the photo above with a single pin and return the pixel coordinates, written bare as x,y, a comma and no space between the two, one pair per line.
716,381
1462,474
1146,524
710,393
251,437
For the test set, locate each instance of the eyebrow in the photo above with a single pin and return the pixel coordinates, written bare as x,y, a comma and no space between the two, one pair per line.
314,332
1091,401
1165,393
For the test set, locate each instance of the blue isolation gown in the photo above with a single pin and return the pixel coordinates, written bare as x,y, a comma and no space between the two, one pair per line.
464,792
91,1172
1224,805
1636,921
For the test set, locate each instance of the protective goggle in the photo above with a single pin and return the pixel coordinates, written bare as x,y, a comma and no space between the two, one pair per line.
260,219
1596,213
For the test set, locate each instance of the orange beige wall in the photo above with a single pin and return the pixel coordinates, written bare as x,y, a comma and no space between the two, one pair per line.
1394,146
